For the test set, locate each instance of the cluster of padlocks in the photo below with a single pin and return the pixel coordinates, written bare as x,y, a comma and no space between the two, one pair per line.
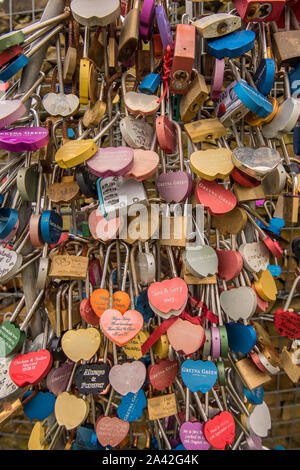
147,177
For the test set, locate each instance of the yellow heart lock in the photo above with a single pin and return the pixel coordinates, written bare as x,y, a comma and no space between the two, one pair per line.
133,348
81,344
70,411
266,286
36,436
75,152
212,163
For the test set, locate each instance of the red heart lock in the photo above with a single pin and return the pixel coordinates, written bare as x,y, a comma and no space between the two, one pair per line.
162,374
120,329
287,323
230,264
220,430
31,368
215,197
168,295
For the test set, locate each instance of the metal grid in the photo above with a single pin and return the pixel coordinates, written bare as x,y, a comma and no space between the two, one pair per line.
284,397
12,8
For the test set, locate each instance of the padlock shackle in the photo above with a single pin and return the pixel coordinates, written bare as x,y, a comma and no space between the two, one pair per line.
290,296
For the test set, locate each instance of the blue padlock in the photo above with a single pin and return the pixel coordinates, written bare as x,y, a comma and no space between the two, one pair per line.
264,76
265,72
274,269
233,45
150,84
253,99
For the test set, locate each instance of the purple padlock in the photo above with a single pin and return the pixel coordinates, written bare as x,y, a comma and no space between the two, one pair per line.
147,20
164,27
23,139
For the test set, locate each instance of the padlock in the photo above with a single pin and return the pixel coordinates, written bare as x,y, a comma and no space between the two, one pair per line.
250,375
150,83
175,186
75,152
163,27
87,74
92,14
129,33
291,202
100,297
147,20
216,25
60,104
286,116
285,43
259,11
265,72
196,95
120,328
183,59
138,103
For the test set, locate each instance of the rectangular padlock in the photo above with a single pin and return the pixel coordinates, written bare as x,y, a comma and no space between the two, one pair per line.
183,59
162,406
117,193
205,129
251,375
248,194
252,10
191,103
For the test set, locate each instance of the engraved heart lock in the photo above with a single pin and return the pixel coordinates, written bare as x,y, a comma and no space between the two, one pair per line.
175,186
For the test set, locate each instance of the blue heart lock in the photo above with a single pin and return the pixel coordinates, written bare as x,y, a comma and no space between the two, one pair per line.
254,396
199,376
274,269
233,45
132,406
241,338
41,406
253,99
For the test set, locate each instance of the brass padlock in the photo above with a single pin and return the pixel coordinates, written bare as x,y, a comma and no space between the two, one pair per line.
161,406
129,33
250,374
248,194
291,203
205,130
191,103
290,364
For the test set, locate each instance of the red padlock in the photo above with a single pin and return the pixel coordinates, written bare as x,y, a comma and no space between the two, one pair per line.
252,10
183,59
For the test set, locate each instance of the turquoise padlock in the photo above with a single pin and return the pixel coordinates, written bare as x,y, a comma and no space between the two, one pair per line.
150,84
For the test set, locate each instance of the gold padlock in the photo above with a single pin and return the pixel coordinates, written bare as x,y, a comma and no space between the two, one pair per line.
197,93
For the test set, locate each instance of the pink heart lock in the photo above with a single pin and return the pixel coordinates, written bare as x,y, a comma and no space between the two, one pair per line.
174,187
24,139
111,161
